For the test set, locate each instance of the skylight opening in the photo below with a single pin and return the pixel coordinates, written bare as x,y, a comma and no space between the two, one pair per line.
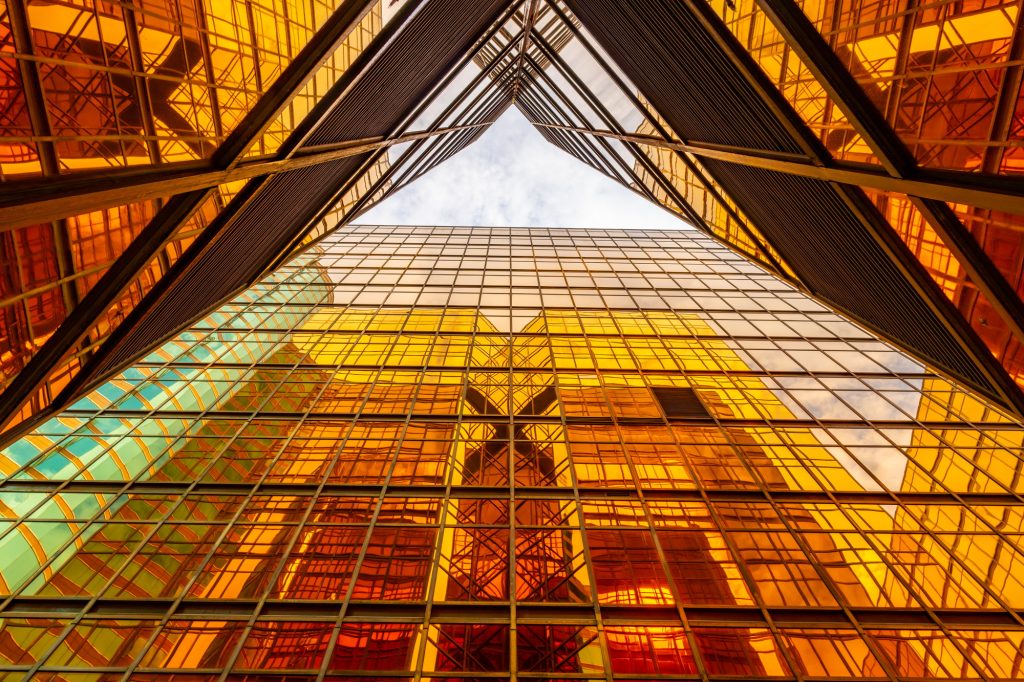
512,177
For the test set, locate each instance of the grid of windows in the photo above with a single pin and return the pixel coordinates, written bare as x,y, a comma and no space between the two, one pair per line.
941,74
487,453
88,86
937,74
135,87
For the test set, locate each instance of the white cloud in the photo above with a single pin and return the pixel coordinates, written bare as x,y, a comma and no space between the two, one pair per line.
513,176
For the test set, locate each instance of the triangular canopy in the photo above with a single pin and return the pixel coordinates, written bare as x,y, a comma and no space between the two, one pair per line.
862,161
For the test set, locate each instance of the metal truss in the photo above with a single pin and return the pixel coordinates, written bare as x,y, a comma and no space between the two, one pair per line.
814,161
899,163
181,207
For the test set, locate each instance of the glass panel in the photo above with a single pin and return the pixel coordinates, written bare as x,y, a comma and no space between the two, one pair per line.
395,489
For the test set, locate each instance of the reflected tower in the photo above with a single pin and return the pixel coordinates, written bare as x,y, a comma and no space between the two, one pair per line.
502,453
160,156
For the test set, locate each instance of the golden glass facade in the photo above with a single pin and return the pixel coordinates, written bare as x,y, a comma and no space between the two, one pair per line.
516,453
927,125
945,78
88,86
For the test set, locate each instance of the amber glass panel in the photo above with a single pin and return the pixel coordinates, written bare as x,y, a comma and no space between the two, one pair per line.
160,82
47,269
628,491
755,31
941,75
1001,235
935,71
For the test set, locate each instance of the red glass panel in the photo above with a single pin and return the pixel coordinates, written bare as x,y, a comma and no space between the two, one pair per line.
549,566
703,569
396,564
649,650
478,564
285,645
729,651
374,647
627,568
321,564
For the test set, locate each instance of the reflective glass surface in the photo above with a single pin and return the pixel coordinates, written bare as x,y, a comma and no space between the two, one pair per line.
944,76
941,76
91,86
496,453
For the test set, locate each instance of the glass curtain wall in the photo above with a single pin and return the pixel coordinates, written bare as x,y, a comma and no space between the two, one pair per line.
498,453
92,86
944,77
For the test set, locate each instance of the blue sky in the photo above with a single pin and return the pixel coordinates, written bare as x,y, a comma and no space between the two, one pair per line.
512,176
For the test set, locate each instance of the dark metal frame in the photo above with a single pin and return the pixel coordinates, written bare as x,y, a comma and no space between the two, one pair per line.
180,208
897,160
35,104
816,162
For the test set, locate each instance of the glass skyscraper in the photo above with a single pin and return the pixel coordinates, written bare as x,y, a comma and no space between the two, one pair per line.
159,156
516,453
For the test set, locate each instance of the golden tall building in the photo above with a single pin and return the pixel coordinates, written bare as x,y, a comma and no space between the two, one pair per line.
244,439
158,156
517,453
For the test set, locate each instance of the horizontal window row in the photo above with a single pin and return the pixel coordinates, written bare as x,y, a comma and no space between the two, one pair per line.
379,388
676,457
465,647
330,317
257,556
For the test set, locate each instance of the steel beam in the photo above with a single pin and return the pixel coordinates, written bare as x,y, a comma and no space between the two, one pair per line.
864,177
499,612
32,86
145,102
897,160
1006,99
531,20
179,209
44,206
795,496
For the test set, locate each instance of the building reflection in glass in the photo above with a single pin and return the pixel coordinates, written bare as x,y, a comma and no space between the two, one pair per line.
492,452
